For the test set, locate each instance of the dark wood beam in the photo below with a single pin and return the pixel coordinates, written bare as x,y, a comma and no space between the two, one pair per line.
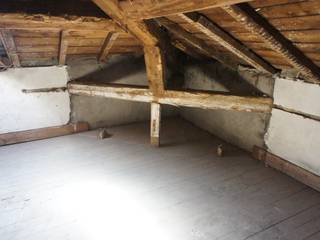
107,45
10,47
196,99
216,33
147,9
197,43
258,25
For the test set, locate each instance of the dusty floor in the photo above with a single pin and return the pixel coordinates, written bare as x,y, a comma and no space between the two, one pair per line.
78,187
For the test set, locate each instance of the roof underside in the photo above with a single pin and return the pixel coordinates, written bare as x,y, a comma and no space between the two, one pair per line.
37,32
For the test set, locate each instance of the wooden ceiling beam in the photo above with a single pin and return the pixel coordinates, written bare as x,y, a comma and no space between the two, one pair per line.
216,33
147,9
41,21
197,43
258,25
107,45
10,47
197,99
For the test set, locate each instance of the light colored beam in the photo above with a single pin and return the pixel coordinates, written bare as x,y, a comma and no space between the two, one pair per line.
155,124
216,33
196,99
258,25
107,45
147,9
197,43
10,47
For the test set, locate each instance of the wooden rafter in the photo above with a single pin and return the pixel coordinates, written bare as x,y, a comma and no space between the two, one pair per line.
147,9
40,21
197,99
216,33
256,24
10,47
197,43
63,47
107,45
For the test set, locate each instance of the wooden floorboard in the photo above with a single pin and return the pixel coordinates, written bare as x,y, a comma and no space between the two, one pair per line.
81,187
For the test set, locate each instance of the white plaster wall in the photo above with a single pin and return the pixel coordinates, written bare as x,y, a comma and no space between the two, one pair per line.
23,111
295,138
297,95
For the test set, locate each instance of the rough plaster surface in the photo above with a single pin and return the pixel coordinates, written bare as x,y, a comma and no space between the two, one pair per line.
295,138
241,129
297,95
100,112
23,111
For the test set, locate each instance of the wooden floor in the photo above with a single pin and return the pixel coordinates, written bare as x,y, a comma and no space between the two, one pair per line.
78,187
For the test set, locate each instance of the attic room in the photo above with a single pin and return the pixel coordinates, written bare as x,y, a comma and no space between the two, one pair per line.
159,119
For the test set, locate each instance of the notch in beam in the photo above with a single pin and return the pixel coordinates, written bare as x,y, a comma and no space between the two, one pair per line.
10,47
216,33
155,124
258,25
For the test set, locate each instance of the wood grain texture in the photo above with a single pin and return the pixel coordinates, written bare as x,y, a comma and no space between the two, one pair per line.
107,45
9,45
63,48
155,124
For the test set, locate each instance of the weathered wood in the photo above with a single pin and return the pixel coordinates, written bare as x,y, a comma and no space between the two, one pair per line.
155,67
41,21
147,9
197,99
107,45
10,47
256,24
42,133
155,125
214,32
286,167
197,43
63,48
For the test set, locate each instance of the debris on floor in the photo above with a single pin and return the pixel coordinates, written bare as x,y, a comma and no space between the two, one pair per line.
104,134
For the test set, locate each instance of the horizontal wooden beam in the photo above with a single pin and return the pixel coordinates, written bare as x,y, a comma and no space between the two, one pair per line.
197,43
286,167
146,9
216,33
41,21
197,99
42,133
258,25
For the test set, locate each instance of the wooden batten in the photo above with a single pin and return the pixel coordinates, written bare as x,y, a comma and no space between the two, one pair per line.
255,23
63,47
10,47
107,45
196,99
42,133
286,167
155,124
226,40
147,9
198,43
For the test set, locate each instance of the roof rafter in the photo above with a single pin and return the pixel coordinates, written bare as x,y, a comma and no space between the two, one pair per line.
107,45
258,25
147,9
197,43
10,47
216,33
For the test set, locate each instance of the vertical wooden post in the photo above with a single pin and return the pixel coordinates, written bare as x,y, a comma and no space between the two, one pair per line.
155,124
63,47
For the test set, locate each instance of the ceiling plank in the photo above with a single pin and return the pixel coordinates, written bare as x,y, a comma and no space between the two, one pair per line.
216,33
107,45
197,43
10,47
147,9
259,26
197,99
